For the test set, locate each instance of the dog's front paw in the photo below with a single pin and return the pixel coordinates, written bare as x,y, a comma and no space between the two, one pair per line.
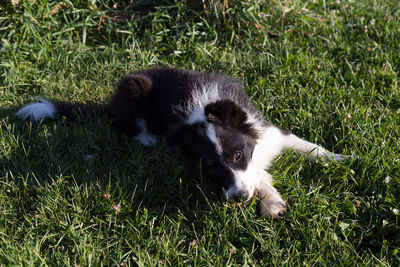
275,209
271,203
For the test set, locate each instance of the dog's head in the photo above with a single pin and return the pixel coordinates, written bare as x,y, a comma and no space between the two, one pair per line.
224,139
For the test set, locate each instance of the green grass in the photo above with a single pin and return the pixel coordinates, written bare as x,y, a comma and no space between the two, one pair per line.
79,193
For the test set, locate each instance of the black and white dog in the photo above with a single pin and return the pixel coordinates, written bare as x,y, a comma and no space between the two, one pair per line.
208,117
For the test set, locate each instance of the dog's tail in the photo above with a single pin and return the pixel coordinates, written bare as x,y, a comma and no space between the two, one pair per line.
55,110
128,101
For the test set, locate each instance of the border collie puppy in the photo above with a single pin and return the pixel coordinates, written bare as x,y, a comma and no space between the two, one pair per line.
208,117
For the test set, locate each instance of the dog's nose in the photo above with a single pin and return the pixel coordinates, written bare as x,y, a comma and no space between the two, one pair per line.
240,195
281,213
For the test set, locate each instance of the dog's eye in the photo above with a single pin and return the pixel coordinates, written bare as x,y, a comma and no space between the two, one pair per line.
237,155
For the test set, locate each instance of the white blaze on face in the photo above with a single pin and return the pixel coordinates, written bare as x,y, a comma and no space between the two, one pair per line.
243,181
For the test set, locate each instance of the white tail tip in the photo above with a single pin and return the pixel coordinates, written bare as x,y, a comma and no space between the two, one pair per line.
37,111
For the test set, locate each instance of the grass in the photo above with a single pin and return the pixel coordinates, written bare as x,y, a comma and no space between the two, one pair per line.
80,194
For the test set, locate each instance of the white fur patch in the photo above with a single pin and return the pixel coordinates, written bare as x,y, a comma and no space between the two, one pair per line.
312,150
37,111
199,98
144,136
210,132
268,146
196,115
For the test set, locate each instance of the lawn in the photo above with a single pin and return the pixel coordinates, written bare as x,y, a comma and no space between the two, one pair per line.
79,193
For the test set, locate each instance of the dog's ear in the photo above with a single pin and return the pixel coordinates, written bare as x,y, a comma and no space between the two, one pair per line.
230,115
134,85
225,112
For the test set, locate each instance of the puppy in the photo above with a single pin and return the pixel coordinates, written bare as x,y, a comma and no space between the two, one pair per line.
207,116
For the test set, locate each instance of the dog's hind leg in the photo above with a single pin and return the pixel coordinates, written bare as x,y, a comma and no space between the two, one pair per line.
130,106
311,150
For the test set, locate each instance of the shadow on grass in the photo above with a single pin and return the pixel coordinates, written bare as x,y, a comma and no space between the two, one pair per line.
91,155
